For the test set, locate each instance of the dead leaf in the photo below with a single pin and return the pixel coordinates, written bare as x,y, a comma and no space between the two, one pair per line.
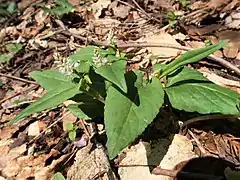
99,6
4,150
232,36
121,11
196,44
13,153
233,20
41,17
8,131
162,37
12,169
25,3
33,129
217,3
230,52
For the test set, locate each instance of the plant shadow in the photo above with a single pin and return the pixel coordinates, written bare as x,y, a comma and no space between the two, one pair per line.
202,168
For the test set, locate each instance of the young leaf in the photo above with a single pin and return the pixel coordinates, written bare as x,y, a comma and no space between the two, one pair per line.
127,115
84,54
204,98
184,75
13,48
62,7
191,57
58,176
5,58
50,100
51,79
69,126
114,73
72,135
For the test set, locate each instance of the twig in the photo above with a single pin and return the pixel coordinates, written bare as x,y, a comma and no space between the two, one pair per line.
200,146
85,128
19,104
18,78
36,137
212,57
10,97
208,117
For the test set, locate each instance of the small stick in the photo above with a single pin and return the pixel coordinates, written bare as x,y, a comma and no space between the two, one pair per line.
18,78
200,146
10,97
208,117
36,137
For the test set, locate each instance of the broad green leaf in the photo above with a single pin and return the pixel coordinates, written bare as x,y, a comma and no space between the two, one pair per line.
84,54
51,79
204,98
127,115
191,57
72,135
185,75
87,108
62,7
99,84
158,67
14,48
50,100
5,58
12,7
69,126
114,73
58,176
231,175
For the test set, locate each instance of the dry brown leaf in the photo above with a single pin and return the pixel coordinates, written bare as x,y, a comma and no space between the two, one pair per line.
13,153
162,37
12,169
121,11
8,131
196,44
99,6
230,52
217,3
41,17
233,20
232,36
33,129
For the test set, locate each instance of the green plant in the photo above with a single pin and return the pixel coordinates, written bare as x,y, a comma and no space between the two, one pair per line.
185,3
6,9
71,131
207,42
172,19
61,7
231,175
12,49
58,176
97,81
